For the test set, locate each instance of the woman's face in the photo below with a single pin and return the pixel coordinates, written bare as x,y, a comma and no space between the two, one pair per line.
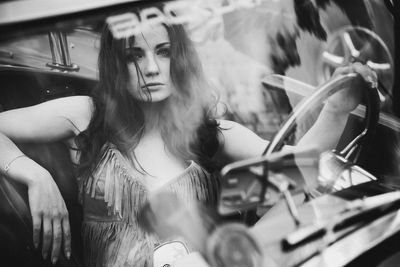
151,50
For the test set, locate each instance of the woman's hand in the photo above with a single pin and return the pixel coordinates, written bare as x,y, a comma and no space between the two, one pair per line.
347,99
49,216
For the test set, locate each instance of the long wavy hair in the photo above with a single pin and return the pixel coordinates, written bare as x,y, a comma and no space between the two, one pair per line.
187,123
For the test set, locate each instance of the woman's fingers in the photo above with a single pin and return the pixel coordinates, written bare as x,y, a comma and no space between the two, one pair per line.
59,220
66,236
57,238
342,70
49,217
37,223
367,73
47,235
56,229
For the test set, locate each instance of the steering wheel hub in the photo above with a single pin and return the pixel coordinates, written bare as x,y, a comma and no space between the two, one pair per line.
357,44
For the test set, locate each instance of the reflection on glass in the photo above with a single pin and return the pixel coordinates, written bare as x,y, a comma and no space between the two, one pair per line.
241,189
337,173
168,253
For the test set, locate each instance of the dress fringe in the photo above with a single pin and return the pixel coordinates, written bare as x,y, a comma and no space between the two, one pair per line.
124,190
192,190
124,242
115,244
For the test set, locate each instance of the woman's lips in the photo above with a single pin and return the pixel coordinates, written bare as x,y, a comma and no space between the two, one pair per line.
148,85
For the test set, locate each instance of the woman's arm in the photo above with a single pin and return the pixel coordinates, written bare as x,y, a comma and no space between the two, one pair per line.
49,121
330,124
239,143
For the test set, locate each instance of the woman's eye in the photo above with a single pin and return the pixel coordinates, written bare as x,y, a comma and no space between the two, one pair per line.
134,56
164,52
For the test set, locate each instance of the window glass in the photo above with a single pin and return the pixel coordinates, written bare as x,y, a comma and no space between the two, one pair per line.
182,96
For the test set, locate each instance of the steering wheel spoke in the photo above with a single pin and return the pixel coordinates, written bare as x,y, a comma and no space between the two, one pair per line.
332,60
349,45
357,44
379,66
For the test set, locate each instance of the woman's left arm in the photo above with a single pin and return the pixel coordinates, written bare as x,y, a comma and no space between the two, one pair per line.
238,142
330,124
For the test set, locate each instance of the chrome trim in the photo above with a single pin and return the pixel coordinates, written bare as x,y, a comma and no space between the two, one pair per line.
357,243
60,52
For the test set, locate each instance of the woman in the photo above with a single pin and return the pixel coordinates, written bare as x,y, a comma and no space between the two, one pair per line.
148,126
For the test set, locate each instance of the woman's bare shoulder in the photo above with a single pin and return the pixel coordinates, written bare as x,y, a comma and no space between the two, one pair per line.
78,109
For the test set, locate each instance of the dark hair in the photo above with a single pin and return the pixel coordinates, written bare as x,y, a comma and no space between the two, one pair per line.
188,128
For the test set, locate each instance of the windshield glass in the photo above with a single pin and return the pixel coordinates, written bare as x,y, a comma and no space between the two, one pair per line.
160,117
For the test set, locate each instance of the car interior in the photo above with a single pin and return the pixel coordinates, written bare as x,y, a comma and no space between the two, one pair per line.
373,129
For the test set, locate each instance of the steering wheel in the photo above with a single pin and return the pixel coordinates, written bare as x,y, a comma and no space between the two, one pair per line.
337,161
357,44
245,184
361,141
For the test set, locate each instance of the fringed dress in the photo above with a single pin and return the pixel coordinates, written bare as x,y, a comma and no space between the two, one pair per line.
112,198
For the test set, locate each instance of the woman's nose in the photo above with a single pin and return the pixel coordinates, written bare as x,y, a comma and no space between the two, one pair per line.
151,66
